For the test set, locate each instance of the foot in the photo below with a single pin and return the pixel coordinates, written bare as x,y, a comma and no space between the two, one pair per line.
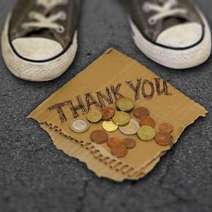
39,41
173,33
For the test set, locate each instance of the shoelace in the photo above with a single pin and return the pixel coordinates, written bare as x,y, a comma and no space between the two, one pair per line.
41,21
166,10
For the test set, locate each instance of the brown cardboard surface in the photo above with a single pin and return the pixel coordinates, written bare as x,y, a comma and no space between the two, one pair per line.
100,84
74,149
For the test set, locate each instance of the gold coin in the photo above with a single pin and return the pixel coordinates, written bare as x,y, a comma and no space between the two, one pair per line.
109,126
121,118
146,133
131,128
94,116
125,104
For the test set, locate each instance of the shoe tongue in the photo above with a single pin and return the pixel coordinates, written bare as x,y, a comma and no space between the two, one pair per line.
44,33
173,21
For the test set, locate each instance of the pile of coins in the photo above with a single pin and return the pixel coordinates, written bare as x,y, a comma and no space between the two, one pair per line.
118,147
164,137
129,120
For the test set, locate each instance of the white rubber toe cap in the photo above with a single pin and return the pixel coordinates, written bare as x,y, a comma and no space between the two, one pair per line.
181,36
37,49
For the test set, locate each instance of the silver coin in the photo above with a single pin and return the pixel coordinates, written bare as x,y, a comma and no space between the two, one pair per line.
131,128
79,125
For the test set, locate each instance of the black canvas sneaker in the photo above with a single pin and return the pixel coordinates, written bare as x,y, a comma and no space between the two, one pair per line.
39,41
173,33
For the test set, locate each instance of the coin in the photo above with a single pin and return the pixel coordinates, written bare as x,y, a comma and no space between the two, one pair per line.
148,121
108,113
109,126
119,151
99,136
121,118
131,128
94,116
146,133
166,128
125,104
130,143
163,139
113,141
79,125
141,113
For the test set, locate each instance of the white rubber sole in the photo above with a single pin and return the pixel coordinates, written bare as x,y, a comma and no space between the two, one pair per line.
171,58
36,71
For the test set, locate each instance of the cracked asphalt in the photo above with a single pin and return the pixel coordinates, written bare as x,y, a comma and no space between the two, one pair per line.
35,177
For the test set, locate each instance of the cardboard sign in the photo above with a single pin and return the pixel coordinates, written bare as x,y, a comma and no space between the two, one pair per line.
101,84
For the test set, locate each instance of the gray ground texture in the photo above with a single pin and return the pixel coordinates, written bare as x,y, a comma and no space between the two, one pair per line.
34,176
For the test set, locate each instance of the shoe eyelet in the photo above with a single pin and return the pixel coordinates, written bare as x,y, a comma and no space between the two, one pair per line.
151,21
60,29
